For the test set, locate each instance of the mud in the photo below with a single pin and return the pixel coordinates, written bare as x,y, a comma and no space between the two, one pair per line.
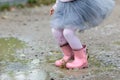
28,49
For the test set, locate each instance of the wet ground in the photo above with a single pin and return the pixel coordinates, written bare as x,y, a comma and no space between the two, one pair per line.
28,50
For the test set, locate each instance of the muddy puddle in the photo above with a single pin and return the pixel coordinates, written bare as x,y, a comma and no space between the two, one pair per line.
31,53
15,64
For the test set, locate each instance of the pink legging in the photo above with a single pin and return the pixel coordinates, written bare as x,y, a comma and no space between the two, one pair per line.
64,36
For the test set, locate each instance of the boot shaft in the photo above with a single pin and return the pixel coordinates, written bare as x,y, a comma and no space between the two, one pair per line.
66,49
81,53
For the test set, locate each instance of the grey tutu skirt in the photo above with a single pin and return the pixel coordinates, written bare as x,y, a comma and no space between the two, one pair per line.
81,14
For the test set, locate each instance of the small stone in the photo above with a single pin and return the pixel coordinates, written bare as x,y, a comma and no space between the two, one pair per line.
51,79
36,55
32,48
35,61
42,52
107,55
4,17
24,24
83,76
36,20
22,55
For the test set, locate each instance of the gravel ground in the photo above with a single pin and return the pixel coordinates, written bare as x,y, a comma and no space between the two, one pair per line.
32,26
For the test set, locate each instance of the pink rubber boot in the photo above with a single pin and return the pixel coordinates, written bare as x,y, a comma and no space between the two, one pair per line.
80,59
68,54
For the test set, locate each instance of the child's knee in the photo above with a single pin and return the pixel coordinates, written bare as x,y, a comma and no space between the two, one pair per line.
68,33
56,32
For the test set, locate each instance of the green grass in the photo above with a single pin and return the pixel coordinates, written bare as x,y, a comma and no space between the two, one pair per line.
5,7
117,42
40,2
8,48
30,3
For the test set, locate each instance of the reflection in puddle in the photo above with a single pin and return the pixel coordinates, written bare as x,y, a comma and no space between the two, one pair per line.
13,67
8,48
8,59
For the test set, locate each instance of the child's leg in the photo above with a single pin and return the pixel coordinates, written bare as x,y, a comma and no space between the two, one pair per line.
72,39
80,57
66,49
58,34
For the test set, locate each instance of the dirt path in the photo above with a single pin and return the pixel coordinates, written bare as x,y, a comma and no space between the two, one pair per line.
32,26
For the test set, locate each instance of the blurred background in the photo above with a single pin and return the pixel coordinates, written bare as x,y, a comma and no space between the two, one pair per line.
28,50
6,4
